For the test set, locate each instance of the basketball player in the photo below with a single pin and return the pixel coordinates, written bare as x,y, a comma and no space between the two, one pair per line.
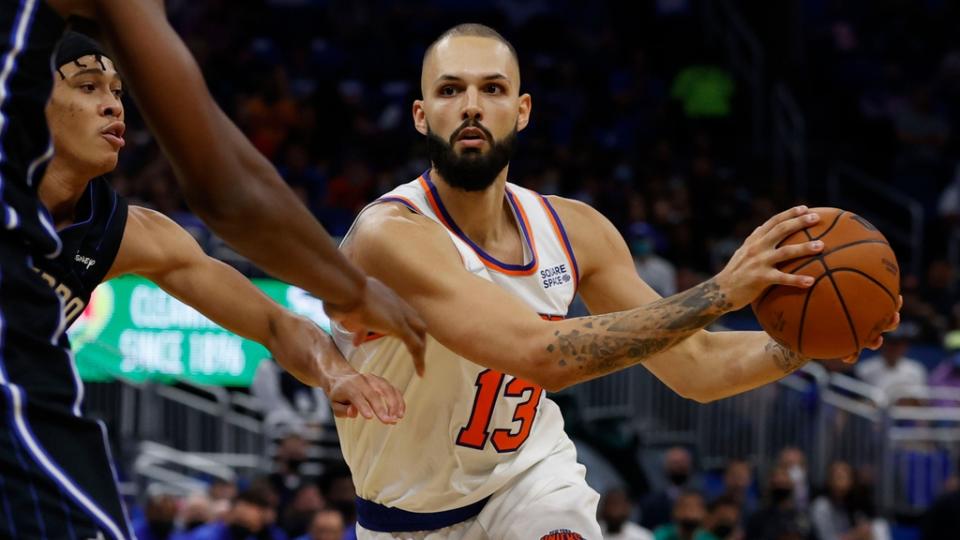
56,474
103,238
492,267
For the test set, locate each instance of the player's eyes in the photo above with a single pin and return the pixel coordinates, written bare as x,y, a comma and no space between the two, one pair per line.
88,87
118,93
448,91
494,89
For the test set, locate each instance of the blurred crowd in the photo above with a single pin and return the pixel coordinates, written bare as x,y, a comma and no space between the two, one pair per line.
789,502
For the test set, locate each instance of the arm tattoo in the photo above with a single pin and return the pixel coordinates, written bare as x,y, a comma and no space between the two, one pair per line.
788,361
606,343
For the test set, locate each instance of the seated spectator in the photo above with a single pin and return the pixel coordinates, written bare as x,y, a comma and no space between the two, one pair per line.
738,485
298,514
159,514
795,462
327,524
891,368
286,477
615,510
222,493
835,514
689,513
723,520
657,508
249,518
779,517
196,511
340,493
656,271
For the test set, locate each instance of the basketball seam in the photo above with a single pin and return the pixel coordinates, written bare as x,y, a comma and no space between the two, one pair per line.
830,228
871,278
835,250
803,314
843,304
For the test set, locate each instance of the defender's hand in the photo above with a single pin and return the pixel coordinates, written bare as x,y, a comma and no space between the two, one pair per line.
753,266
367,395
381,310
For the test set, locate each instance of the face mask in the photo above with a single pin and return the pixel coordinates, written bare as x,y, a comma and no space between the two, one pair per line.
678,478
688,525
722,530
797,474
239,532
161,529
780,494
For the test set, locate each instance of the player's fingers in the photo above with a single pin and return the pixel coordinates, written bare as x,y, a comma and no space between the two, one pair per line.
851,359
899,302
779,218
341,409
785,228
791,280
358,398
894,323
392,397
794,251
876,344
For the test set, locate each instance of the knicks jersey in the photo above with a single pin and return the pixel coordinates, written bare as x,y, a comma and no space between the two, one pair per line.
468,430
90,246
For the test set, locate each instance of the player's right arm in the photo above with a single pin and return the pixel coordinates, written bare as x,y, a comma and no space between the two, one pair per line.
485,324
155,247
227,182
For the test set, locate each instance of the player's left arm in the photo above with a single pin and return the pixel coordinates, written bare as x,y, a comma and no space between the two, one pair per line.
705,367
155,247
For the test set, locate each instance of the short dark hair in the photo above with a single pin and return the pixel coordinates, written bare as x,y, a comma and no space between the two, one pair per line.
723,500
473,30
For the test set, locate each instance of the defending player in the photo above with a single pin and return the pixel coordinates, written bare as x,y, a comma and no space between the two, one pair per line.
56,477
492,267
103,238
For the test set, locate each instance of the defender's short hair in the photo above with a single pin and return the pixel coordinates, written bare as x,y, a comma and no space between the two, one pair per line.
473,30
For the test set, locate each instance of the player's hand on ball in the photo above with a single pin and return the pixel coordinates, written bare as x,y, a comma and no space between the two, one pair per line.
367,395
381,310
892,325
753,266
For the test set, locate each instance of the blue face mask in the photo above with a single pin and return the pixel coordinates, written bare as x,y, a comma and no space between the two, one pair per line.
641,247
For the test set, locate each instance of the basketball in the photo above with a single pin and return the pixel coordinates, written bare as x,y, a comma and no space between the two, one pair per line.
854,295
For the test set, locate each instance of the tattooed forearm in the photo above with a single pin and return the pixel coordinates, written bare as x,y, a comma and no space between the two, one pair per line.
788,361
605,343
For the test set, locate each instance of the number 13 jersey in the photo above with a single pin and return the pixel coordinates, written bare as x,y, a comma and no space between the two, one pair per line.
468,430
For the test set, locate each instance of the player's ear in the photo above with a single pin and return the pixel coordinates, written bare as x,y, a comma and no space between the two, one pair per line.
526,104
419,117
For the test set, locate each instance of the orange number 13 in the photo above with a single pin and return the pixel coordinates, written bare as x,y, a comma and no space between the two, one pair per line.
475,433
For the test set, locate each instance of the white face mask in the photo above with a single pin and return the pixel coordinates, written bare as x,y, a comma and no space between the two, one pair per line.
797,474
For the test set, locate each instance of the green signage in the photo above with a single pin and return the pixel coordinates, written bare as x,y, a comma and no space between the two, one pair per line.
134,330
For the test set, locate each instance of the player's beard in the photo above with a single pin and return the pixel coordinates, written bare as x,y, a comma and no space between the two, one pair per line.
471,170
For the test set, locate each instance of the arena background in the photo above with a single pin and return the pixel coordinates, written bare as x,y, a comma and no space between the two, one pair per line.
685,122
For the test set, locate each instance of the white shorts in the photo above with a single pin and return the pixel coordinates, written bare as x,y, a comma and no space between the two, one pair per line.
549,501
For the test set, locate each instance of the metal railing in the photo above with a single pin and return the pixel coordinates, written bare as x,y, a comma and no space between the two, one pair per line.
852,189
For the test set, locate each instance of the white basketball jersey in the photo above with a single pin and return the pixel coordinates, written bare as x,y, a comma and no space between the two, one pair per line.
468,430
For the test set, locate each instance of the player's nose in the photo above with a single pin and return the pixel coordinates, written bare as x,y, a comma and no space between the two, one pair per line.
471,106
112,109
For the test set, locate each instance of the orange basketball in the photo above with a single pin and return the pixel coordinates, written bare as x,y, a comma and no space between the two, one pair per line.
851,301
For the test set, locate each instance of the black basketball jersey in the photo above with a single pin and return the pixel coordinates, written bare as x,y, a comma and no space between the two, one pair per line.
29,32
90,246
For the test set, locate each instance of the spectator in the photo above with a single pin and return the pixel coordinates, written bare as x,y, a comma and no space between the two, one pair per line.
340,493
795,462
222,493
891,368
298,514
286,477
615,510
738,485
327,524
689,513
249,518
285,401
657,508
196,511
834,514
159,517
723,520
779,518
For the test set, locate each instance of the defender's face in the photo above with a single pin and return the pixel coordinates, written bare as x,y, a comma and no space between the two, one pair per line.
85,114
471,94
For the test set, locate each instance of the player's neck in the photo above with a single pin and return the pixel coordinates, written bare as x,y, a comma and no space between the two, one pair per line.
61,189
483,216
